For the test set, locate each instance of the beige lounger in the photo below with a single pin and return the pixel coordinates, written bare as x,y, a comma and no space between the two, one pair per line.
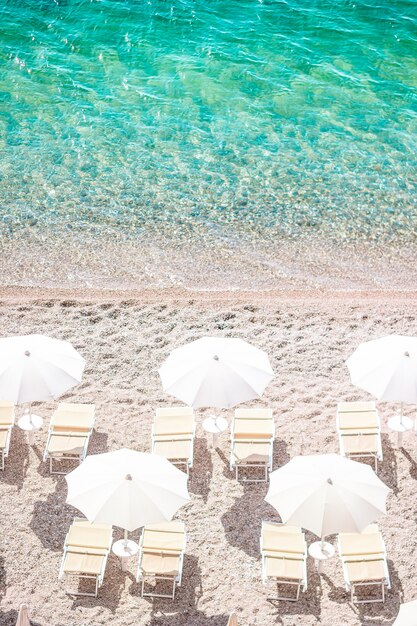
6,425
69,433
359,431
161,556
284,557
173,434
252,437
364,562
87,547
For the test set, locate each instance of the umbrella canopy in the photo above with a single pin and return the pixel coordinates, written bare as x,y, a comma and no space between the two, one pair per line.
35,367
407,615
387,368
327,494
232,620
216,372
126,488
23,616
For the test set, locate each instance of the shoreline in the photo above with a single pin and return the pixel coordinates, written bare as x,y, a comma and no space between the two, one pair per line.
185,296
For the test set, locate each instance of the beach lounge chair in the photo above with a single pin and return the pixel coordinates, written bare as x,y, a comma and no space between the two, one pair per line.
69,433
359,431
173,434
161,556
252,438
86,550
284,558
6,425
364,563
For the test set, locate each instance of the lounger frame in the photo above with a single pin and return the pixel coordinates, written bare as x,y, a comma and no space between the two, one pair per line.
236,465
6,427
301,584
175,437
351,587
358,431
81,575
144,577
52,431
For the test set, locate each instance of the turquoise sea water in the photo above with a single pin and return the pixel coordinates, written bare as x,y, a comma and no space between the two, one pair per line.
206,124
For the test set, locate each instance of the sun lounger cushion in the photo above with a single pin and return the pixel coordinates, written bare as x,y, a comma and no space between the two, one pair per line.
82,562
158,563
282,542
6,415
368,542
263,414
284,568
69,420
77,408
347,407
253,428
66,444
176,425
3,439
365,570
88,536
163,540
174,449
360,443
250,452
354,421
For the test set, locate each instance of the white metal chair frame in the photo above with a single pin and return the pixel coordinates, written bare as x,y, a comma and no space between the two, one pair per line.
236,465
352,586
144,577
377,455
301,585
8,428
98,578
173,437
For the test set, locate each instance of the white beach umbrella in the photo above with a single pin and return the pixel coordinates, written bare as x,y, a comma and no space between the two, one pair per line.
387,368
126,488
23,616
216,372
407,615
327,494
35,367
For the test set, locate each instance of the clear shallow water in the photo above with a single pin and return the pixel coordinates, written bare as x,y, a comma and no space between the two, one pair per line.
210,126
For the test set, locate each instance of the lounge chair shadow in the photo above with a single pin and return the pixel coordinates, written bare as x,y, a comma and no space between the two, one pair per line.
202,471
51,519
17,463
98,442
309,602
387,470
9,618
242,522
3,585
413,464
375,614
280,453
111,591
184,609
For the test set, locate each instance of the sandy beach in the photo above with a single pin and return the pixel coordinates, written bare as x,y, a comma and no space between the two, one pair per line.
124,337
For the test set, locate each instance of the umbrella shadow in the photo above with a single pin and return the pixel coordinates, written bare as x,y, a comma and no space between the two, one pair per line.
242,522
98,443
51,519
17,463
110,592
185,609
387,470
202,472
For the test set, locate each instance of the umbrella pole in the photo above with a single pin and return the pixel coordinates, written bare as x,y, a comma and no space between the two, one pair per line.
30,412
401,413
125,538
